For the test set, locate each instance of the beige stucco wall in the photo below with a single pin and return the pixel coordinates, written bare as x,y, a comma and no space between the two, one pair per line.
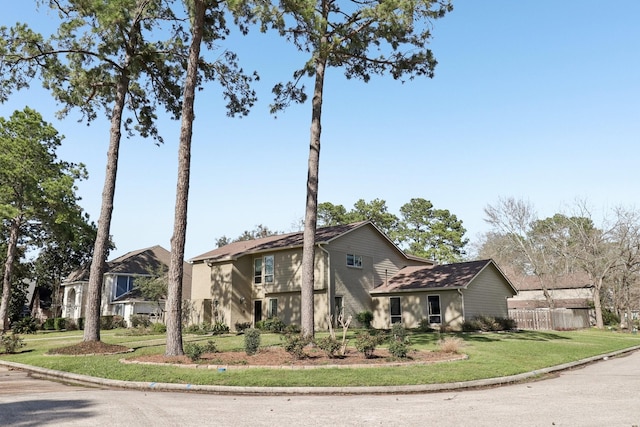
414,309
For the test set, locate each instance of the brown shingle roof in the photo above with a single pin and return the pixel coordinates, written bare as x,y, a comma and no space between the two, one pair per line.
283,241
446,276
137,262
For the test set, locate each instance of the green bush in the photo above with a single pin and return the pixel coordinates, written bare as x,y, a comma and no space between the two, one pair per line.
241,326
139,320
329,345
158,328
80,321
11,343
193,351
399,349
366,343
106,322
26,325
365,318
48,324
488,324
219,328
59,323
292,329
398,332
294,344
272,324
251,341
609,318
210,347
70,324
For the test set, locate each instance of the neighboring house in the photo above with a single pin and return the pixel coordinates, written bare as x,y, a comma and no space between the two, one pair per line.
570,291
357,268
119,295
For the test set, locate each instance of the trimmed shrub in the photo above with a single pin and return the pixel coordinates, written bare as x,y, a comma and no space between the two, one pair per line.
26,325
106,322
329,345
80,323
193,351
272,324
158,328
11,343
398,332
365,318
367,343
294,344
425,326
139,320
241,326
210,347
399,349
59,323
251,341
219,328
48,324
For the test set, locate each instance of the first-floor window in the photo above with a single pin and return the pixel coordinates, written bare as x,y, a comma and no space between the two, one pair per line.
433,307
124,284
273,307
395,309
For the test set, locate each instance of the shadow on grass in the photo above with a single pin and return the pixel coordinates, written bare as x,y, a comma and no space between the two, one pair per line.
433,338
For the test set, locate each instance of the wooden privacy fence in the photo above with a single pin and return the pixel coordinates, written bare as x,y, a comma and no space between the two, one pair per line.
552,319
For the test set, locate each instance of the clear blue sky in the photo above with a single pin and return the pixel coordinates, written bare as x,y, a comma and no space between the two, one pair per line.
537,100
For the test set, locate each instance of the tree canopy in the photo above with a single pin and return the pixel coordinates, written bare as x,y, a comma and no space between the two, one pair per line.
37,190
421,230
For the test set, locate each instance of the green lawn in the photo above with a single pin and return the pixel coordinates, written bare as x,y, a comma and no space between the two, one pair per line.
489,355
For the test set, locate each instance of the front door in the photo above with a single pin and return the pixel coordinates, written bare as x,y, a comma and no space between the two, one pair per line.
257,311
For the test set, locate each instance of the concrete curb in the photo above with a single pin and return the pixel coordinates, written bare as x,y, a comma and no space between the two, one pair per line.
237,390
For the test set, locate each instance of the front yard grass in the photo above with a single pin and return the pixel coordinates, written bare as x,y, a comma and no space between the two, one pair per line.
489,355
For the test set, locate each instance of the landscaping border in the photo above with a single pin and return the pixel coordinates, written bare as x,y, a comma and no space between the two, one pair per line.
241,390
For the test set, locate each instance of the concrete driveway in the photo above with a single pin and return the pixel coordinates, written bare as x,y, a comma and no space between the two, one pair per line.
605,393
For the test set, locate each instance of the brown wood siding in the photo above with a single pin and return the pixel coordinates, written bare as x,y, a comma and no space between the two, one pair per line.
487,295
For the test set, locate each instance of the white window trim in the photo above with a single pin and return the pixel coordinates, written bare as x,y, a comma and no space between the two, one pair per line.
392,316
357,260
429,315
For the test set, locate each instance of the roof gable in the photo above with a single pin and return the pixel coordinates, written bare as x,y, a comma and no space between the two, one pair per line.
278,242
433,277
138,262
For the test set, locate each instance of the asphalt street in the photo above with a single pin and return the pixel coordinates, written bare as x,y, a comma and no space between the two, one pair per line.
604,393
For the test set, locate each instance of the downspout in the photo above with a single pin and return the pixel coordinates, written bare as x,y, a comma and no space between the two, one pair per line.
330,292
462,301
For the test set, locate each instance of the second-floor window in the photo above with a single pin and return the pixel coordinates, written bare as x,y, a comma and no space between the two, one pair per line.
354,260
263,269
124,284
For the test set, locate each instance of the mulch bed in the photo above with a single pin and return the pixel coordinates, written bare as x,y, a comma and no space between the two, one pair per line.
277,356
90,347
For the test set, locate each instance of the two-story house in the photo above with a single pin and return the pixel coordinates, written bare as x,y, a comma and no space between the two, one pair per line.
119,295
357,268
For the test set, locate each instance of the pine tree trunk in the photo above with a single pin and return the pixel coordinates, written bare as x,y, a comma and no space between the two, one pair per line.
12,244
174,290
101,247
311,210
